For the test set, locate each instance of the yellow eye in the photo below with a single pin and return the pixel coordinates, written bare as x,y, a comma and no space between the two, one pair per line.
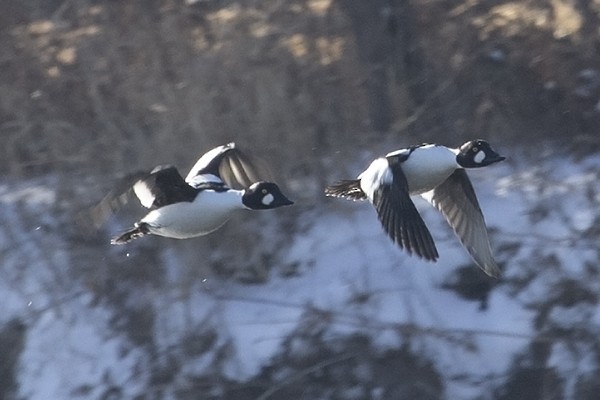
475,149
264,191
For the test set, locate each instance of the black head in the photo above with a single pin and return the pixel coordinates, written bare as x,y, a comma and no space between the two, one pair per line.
477,153
264,196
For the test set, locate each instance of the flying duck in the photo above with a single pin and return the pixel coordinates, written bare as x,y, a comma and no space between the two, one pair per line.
197,205
436,173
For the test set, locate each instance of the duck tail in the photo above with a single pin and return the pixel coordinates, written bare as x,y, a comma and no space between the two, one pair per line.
349,189
138,230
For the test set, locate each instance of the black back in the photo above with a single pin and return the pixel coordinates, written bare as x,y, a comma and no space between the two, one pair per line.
164,186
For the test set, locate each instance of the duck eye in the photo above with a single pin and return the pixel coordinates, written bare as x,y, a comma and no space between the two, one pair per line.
475,149
264,191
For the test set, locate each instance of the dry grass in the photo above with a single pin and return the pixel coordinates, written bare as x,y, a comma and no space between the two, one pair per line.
114,86
110,95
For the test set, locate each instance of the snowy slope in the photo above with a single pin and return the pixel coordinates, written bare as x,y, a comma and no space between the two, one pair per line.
543,226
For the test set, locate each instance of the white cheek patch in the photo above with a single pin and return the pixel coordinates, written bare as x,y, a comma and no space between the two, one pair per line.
268,199
479,157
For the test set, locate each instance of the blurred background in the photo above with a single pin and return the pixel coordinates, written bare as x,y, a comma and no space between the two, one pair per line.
311,301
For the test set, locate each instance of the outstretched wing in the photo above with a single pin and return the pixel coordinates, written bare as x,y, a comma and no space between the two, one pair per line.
161,187
227,164
456,200
114,200
400,218
349,188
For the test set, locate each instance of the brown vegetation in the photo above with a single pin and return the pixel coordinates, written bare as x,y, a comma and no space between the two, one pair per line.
112,86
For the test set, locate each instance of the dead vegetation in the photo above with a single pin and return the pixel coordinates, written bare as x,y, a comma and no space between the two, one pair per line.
111,86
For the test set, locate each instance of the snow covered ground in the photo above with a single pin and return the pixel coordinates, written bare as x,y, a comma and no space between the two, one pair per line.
543,226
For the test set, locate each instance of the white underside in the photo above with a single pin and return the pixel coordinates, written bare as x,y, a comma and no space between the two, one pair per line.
426,168
207,213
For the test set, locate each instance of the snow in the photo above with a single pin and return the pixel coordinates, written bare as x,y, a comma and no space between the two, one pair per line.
69,350
350,273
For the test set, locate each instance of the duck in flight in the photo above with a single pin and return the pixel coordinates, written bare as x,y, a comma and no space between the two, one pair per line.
437,173
197,205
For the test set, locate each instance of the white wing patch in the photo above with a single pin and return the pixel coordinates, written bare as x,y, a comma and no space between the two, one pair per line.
144,194
197,180
428,196
375,176
400,152
206,159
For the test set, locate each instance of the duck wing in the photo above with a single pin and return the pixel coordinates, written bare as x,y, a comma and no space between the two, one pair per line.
228,164
114,200
400,218
158,188
163,186
348,188
456,200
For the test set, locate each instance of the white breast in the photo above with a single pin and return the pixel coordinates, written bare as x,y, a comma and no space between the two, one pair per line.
208,212
427,167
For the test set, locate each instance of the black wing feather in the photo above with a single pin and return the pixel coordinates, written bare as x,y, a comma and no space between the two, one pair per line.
114,200
349,189
239,169
400,218
233,166
164,184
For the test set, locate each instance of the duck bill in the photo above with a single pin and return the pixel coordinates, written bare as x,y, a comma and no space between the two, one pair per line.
286,202
494,158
